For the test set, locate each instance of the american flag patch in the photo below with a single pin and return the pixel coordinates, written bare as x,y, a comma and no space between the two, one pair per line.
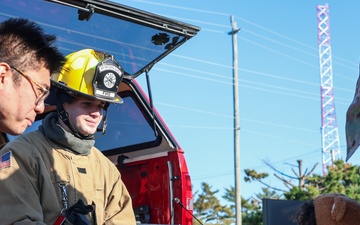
5,160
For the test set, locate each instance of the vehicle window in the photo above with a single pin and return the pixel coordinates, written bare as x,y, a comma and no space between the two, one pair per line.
126,126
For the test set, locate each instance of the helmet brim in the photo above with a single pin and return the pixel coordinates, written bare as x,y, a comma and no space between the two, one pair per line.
52,99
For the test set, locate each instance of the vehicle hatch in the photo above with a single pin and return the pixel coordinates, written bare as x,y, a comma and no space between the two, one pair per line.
136,38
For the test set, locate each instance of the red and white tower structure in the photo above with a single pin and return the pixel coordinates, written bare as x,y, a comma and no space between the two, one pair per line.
329,130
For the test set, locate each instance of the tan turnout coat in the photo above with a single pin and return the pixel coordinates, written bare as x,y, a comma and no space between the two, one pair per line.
29,183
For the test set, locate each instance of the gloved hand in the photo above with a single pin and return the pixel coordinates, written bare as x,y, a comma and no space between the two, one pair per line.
75,215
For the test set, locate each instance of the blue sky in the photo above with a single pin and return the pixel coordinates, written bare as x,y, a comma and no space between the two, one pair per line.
279,85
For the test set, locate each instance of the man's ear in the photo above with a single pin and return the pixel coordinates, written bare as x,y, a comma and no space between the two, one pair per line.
4,68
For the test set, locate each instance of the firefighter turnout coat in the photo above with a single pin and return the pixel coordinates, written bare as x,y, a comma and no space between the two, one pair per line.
36,167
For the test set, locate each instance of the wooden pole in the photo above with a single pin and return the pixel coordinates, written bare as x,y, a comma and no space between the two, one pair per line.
236,125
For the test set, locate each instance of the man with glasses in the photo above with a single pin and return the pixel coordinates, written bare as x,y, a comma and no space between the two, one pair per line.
27,59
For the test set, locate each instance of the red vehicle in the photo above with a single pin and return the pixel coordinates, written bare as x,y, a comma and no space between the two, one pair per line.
137,140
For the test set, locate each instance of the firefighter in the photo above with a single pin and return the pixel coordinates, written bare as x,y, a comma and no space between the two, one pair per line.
55,175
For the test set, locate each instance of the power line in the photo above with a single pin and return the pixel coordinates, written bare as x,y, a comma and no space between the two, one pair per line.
297,81
353,65
285,91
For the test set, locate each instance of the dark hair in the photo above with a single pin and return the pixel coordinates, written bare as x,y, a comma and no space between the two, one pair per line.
23,44
59,96
306,214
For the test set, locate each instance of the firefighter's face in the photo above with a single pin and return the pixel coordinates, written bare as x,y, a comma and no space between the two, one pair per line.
85,114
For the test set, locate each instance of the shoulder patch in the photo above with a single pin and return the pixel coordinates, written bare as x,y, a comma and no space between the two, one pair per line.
5,160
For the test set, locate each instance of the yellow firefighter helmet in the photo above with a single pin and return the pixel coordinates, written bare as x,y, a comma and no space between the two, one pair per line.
92,74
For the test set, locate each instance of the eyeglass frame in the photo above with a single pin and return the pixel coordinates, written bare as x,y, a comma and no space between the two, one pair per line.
45,92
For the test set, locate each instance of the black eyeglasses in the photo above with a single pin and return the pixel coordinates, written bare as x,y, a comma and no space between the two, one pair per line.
44,91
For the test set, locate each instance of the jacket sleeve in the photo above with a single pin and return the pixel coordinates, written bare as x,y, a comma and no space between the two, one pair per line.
19,201
118,209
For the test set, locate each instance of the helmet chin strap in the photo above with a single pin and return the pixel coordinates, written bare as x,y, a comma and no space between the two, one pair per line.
103,125
64,116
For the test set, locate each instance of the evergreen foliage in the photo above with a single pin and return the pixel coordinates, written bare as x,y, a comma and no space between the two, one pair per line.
342,178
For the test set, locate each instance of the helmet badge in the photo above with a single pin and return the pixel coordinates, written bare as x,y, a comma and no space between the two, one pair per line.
107,79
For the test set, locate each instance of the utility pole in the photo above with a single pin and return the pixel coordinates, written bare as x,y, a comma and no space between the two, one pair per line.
236,124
